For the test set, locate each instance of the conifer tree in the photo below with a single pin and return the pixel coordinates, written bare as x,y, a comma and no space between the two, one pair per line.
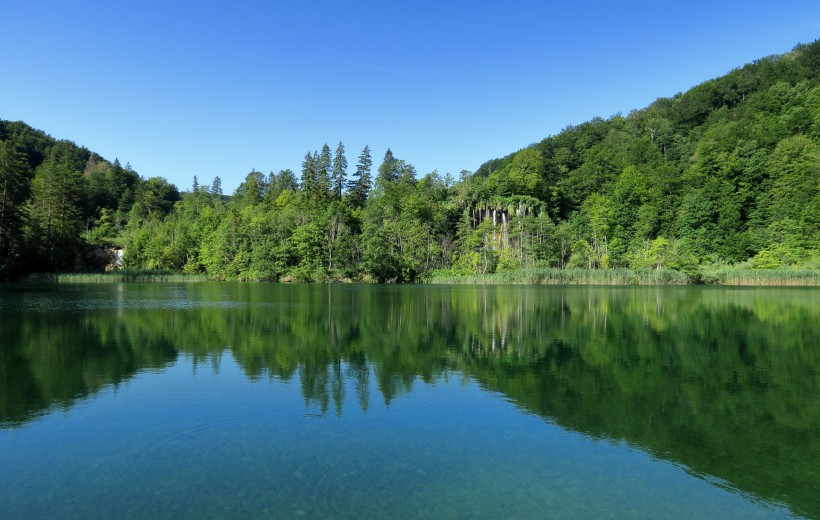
216,187
309,180
359,187
388,171
55,212
339,171
13,193
324,165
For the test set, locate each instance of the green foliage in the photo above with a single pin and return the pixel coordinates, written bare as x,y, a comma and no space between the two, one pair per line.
306,248
119,276
565,276
728,275
522,175
55,214
339,171
154,197
725,173
14,190
359,187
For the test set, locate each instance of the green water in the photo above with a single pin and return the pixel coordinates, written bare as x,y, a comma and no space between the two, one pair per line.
280,401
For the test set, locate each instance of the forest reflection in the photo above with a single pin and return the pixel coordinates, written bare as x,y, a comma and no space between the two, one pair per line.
723,381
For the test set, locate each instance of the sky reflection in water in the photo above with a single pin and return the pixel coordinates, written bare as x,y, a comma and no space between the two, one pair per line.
221,400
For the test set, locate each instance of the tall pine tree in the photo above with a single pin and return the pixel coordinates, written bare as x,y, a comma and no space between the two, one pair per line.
325,162
359,186
339,171
309,181
13,193
388,171
55,212
216,187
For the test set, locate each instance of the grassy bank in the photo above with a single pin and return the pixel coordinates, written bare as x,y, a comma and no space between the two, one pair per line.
529,276
120,276
554,276
710,276
740,276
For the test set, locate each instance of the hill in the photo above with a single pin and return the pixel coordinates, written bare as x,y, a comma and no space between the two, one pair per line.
59,201
727,173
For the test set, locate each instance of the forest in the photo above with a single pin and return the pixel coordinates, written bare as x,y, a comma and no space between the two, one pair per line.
727,173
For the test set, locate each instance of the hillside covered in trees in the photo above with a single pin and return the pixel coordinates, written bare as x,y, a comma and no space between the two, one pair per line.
727,173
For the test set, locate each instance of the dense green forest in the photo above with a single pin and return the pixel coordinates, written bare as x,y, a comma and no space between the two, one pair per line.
727,173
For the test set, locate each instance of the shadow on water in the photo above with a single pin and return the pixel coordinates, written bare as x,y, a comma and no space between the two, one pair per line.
725,382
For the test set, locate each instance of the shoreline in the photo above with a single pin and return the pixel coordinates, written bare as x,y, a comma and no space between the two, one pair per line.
722,276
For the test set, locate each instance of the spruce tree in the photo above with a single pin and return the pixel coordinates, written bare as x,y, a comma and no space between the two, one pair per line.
216,187
339,171
13,193
55,212
388,171
325,163
359,186
309,180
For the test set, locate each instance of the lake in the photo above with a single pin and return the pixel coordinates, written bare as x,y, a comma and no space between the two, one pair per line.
226,400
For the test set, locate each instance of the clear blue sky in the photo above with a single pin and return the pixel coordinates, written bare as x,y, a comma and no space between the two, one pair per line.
218,88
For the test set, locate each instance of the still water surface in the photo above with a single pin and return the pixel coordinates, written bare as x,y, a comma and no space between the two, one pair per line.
287,401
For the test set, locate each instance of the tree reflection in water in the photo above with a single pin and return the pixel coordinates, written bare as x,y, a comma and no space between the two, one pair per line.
723,381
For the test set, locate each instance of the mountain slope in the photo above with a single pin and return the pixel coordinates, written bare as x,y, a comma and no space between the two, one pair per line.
726,171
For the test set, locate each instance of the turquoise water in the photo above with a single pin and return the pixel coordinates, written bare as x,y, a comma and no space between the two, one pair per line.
279,401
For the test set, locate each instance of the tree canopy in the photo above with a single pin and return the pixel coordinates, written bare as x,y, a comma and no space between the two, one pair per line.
725,173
